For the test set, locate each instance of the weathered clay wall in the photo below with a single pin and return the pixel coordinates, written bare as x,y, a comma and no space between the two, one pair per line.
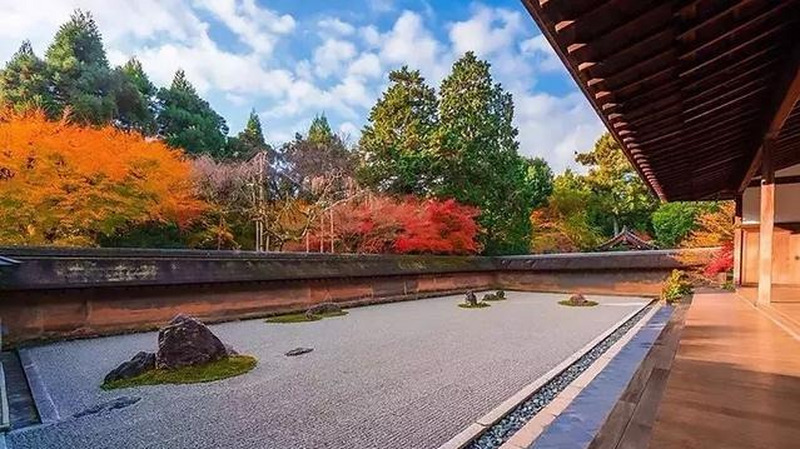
73,293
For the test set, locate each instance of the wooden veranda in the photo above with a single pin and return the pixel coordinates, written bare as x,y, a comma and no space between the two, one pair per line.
702,95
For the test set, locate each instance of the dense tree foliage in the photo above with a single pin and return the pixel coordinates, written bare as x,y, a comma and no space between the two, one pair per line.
250,141
135,99
396,145
25,82
476,159
64,184
187,121
672,222
563,224
621,199
81,78
400,225
318,153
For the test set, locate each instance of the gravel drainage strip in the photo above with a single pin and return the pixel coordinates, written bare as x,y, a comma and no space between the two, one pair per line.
494,429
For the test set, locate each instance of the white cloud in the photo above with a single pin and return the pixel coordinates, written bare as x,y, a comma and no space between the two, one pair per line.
410,42
540,49
487,31
256,27
349,129
335,26
39,20
556,127
381,6
368,65
370,35
331,55
208,67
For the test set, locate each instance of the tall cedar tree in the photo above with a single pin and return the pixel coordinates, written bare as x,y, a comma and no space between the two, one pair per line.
395,145
135,99
24,82
250,141
187,121
622,199
81,77
477,161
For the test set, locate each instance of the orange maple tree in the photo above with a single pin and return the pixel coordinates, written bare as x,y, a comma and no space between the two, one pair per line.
64,184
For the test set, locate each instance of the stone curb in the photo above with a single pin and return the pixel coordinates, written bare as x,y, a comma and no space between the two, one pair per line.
5,422
41,397
466,436
525,436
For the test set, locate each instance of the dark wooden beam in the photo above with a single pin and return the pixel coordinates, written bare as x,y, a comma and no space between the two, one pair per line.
785,96
778,180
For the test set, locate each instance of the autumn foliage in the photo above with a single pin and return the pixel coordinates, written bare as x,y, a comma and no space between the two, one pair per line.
64,184
383,224
714,229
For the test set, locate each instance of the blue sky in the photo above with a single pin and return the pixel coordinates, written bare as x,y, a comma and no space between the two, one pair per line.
292,59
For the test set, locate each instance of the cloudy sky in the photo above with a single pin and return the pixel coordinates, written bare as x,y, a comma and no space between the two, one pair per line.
291,59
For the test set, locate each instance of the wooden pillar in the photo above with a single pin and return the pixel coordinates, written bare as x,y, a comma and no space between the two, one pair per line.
737,243
766,225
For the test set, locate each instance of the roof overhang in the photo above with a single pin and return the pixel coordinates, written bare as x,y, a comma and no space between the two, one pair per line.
691,89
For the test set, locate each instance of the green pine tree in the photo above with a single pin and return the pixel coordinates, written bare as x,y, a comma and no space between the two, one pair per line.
24,82
395,146
477,161
320,131
187,121
135,98
250,141
82,79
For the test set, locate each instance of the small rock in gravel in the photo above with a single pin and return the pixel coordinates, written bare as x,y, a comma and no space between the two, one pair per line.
298,351
114,404
141,362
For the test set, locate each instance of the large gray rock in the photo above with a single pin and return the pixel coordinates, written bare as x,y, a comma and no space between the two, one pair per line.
140,363
186,341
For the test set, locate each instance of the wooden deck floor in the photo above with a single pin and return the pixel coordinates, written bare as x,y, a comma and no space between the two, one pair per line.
734,382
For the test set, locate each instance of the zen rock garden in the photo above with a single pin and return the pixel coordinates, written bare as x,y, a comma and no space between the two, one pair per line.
188,352
471,301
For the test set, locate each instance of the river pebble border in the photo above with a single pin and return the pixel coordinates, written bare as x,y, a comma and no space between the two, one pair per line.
500,432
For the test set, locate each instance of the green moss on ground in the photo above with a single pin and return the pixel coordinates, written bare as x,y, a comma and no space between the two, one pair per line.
569,303
479,305
302,318
231,366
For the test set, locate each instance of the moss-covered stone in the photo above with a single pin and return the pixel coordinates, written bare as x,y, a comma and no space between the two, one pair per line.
303,317
230,366
585,303
479,305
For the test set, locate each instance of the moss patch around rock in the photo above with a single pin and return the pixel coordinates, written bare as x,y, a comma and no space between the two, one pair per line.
479,305
302,318
569,303
221,369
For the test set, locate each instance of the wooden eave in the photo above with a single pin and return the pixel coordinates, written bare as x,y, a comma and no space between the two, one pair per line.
690,89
